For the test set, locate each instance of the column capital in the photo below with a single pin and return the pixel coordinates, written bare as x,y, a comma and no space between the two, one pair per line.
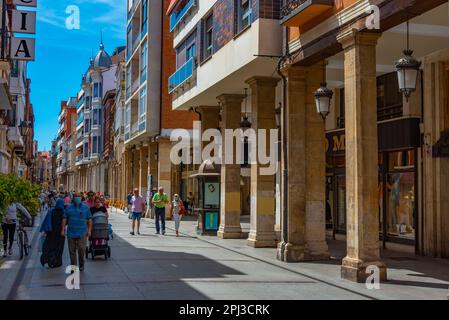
352,37
263,81
294,73
231,98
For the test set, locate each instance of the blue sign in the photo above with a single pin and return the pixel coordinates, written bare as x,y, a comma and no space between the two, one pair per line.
211,220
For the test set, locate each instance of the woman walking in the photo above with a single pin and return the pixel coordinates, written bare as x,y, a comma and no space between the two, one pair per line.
177,210
53,247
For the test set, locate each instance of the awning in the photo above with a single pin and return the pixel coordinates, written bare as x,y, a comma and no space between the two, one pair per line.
172,6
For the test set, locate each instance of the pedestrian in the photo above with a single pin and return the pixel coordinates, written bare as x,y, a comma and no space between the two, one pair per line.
99,207
67,200
137,209
9,224
53,247
78,220
128,199
160,199
190,202
90,202
42,198
177,210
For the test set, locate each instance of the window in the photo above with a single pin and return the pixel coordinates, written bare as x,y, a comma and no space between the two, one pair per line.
243,14
143,106
94,144
96,117
186,50
143,63
144,14
98,88
207,37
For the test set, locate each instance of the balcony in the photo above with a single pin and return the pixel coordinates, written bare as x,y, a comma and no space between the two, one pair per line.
80,103
176,17
15,137
182,75
296,13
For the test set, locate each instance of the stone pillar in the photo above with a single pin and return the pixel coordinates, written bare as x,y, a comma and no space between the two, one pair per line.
263,204
315,158
135,168
292,248
143,171
153,163
165,169
128,171
230,227
362,213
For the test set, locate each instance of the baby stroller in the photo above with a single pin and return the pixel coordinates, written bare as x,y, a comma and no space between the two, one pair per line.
98,242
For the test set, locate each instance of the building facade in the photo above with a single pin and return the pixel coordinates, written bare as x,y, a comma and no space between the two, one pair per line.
149,118
373,172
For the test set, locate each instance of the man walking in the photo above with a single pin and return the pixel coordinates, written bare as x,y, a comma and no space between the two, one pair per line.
129,197
137,208
78,219
160,199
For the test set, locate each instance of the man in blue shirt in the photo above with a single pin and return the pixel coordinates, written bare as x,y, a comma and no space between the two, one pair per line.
78,219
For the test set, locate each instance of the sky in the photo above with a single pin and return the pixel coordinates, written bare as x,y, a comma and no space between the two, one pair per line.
62,55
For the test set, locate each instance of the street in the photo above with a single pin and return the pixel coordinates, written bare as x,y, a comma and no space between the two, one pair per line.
151,266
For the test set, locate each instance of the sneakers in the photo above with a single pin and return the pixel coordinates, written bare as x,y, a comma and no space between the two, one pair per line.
138,232
132,233
10,251
163,233
4,254
157,232
82,268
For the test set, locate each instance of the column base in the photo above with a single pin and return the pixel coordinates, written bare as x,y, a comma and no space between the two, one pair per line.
230,232
289,252
356,270
262,240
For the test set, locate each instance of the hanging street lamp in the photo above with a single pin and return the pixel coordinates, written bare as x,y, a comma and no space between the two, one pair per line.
323,97
408,69
246,124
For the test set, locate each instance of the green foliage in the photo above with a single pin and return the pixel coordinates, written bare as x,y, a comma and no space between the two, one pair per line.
14,189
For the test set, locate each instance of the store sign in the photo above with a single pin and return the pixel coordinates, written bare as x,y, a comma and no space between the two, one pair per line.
23,49
335,142
24,21
25,3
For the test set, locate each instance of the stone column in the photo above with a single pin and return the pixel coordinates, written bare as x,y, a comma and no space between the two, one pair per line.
143,171
361,156
128,171
315,158
230,227
135,168
292,248
263,204
165,166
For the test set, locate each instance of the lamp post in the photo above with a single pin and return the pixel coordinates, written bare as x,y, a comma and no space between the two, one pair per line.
323,97
407,69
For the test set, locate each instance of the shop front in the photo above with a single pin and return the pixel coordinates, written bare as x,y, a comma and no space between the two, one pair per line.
399,147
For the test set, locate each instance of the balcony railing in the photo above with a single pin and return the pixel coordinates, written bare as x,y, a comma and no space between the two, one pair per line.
135,86
176,17
299,10
184,73
80,103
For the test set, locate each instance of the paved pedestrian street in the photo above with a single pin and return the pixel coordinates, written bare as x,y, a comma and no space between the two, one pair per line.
153,266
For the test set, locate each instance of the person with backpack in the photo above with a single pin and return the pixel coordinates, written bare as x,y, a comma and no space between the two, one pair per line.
53,246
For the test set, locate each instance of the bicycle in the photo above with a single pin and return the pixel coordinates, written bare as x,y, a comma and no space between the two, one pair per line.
22,240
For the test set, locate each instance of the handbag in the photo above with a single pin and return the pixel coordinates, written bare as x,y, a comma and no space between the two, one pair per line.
182,209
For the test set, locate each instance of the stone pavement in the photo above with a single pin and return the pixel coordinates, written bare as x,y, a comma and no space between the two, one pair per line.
195,267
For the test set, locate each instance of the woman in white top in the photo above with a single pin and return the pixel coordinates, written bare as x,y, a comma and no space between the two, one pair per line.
9,222
176,206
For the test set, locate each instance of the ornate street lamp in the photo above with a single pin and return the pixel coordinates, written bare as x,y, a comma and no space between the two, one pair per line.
407,69
25,128
245,124
323,97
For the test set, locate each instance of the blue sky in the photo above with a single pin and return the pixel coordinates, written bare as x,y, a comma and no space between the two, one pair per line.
62,55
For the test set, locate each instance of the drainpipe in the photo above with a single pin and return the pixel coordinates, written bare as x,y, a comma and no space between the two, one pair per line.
284,177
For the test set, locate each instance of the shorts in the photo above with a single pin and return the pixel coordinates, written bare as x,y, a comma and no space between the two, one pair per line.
137,216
